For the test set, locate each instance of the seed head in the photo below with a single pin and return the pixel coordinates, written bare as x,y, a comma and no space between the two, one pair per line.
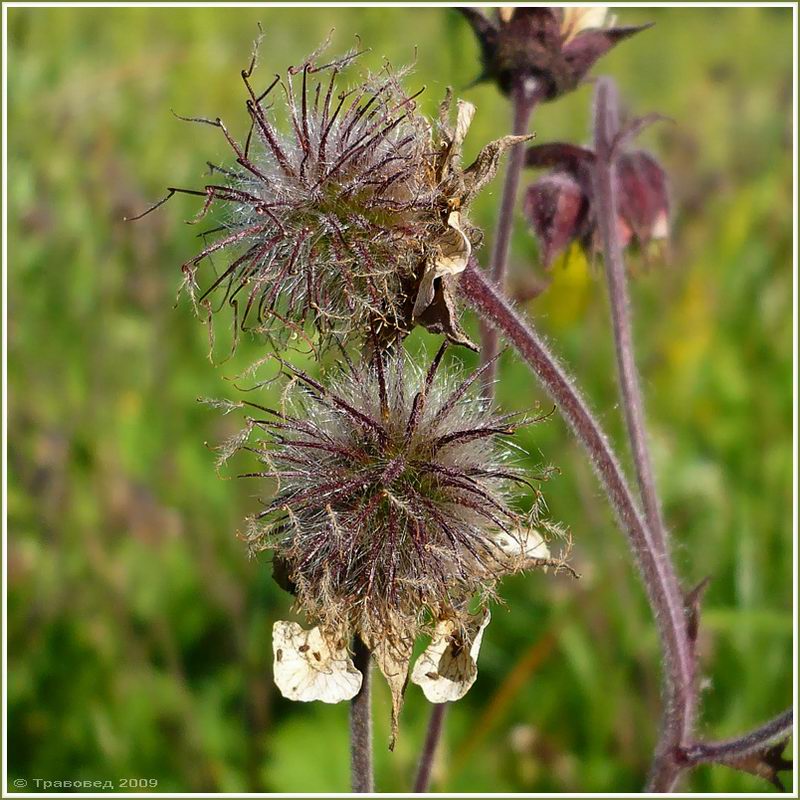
347,208
393,512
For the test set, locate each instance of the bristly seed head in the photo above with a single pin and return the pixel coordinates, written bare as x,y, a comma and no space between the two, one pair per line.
392,511
330,206
347,209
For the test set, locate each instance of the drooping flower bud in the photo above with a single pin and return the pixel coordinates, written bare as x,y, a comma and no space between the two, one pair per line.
554,47
643,197
557,208
392,516
560,205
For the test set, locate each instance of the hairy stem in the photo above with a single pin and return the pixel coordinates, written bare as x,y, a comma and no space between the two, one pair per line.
732,749
681,700
658,575
606,129
432,736
525,96
361,724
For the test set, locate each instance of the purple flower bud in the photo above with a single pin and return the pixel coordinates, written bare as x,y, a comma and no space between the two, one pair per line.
560,209
642,196
554,47
556,207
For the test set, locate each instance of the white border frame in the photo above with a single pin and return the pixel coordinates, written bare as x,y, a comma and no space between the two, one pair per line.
5,7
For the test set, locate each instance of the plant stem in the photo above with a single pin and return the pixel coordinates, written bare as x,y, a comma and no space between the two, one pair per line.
681,701
657,572
606,129
742,746
361,724
524,98
434,733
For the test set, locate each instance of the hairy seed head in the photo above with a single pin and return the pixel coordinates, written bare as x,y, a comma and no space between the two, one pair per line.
393,501
329,206
346,209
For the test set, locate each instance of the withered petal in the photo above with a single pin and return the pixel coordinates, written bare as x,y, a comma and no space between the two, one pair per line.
441,316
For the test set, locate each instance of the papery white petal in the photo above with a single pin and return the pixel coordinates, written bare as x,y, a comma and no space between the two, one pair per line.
522,543
454,249
309,667
449,666
660,228
581,18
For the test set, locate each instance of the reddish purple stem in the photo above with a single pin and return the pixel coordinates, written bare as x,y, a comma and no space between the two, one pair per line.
361,724
525,96
658,575
680,682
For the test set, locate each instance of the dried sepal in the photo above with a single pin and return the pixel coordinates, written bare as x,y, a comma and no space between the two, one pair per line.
392,657
442,316
312,665
448,667
434,304
450,257
484,168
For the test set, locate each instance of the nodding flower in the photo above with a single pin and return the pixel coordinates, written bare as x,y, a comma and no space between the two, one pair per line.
560,205
391,518
345,211
552,47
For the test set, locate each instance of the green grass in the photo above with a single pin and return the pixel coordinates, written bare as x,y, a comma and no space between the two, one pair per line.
139,631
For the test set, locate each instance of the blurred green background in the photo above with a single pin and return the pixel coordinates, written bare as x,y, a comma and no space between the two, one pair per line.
138,629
